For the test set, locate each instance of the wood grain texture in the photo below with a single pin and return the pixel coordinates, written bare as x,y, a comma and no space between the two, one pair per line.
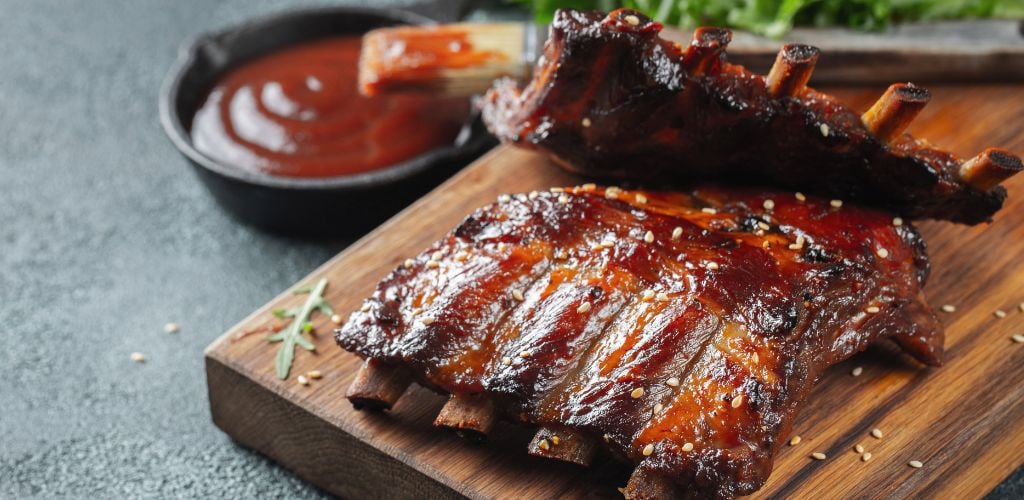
964,421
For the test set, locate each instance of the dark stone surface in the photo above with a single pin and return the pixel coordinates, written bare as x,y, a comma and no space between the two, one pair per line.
105,237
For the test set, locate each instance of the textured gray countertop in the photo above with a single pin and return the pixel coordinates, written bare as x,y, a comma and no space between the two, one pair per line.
105,237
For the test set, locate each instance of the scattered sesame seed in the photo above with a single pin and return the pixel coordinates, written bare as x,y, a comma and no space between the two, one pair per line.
677,232
1018,338
506,361
433,264
876,433
872,309
865,457
408,263
883,253
737,401
647,296
688,447
138,357
365,307
584,307
766,244
948,308
768,204
857,371
585,122
315,374
763,225
633,21
436,255
555,439
557,189
461,256
858,448
649,237
534,195
915,464
590,186
795,440
641,198
818,456
606,438
563,199
501,247
897,221
426,320
504,198
709,210
302,380
612,192
518,295
800,197
672,382
336,318
712,265
521,197
657,409
637,393
662,297
1000,313
544,445
824,129
836,203
524,354
171,328
799,243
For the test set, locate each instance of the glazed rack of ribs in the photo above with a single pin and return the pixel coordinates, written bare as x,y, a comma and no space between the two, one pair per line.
679,332
611,99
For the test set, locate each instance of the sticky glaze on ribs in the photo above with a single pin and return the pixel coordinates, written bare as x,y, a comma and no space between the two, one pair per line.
610,98
682,330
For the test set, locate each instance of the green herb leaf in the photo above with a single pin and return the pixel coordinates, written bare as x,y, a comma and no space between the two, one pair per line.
291,335
285,313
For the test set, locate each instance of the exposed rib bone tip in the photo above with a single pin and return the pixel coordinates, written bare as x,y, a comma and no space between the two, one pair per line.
792,70
988,169
471,415
564,445
378,386
706,48
644,485
893,112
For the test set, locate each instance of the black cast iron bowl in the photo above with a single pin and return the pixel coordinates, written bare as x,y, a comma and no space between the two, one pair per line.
328,206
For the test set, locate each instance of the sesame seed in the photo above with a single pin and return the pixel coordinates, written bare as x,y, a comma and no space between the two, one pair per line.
633,21
795,440
948,308
504,198
637,393
915,464
315,374
544,445
584,307
365,307
138,357
857,371
766,244
677,232
712,265
302,380
585,122
799,243
506,361
555,439
534,195
641,198
649,237
408,263
876,433
433,264
883,253
436,255
1018,338
501,247
865,457
648,295
521,197
590,186
524,354
872,309
563,199
606,438
672,382
562,254
800,197
171,328
518,295
557,189
426,320
763,225
1000,313
768,204
858,448
818,456
897,221
657,409
461,256
836,203
688,447
662,297
824,129
709,210
337,319
648,450
737,401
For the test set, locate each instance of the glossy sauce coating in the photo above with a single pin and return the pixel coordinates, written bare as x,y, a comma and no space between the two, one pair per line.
297,113
612,99
657,319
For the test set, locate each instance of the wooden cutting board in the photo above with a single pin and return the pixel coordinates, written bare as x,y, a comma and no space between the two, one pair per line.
964,421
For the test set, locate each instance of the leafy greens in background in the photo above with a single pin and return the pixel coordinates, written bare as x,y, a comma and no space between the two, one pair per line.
776,17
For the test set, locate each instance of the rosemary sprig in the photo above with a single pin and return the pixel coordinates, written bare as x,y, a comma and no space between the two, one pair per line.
292,334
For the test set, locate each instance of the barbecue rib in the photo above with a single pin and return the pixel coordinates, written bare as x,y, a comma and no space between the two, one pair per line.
685,329
612,99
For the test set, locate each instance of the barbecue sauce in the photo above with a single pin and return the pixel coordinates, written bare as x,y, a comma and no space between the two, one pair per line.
297,113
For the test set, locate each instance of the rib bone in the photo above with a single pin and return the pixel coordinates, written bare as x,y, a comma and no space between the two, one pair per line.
706,49
988,169
378,386
564,445
646,485
792,69
472,416
893,112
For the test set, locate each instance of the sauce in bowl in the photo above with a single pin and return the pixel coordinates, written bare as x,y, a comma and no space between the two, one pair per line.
297,113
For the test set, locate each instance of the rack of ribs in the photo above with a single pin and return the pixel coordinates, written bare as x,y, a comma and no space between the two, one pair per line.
680,332
611,99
